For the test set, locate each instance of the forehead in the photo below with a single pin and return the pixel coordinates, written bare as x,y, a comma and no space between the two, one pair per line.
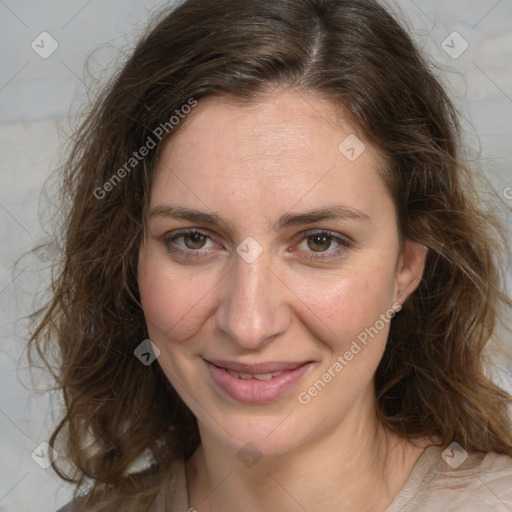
283,148
283,124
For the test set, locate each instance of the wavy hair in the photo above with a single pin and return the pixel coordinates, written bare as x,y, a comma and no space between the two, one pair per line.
433,378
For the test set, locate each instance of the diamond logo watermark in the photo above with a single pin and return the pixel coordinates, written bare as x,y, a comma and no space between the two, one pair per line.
44,455
249,250
44,45
352,147
249,455
46,250
147,352
454,45
454,455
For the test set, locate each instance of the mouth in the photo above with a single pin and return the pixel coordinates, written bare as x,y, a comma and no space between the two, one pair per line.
256,383
257,376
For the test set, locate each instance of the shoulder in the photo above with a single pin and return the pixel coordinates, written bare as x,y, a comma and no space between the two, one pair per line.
169,494
485,473
453,480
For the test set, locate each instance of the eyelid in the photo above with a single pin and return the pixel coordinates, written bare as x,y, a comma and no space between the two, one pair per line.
333,234
169,236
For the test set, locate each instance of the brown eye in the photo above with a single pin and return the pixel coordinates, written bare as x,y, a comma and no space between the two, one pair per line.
194,240
188,243
319,242
323,245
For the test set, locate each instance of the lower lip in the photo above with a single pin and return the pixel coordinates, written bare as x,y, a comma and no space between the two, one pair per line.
255,391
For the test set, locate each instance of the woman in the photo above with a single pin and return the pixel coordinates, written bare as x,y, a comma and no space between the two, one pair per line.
278,283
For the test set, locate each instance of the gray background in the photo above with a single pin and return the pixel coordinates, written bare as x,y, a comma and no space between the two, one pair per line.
38,97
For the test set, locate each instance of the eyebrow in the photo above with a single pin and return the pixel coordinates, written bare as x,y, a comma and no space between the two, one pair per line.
289,219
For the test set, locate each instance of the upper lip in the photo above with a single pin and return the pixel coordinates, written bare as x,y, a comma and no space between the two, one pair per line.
257,368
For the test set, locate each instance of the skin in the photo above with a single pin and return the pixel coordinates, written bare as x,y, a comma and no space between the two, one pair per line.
251,165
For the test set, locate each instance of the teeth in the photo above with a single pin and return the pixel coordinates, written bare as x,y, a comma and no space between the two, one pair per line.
263,376
257,376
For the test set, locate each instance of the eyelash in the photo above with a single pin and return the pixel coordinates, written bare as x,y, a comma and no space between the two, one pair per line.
173,249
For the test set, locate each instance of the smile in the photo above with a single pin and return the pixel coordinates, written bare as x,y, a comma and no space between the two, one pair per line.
257,376
256,384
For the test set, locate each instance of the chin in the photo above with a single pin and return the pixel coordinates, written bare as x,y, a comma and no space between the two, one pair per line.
268,435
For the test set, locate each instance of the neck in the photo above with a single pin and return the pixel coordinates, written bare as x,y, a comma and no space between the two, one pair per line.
359,466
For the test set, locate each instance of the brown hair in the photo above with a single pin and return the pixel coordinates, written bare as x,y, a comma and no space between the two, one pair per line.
432,378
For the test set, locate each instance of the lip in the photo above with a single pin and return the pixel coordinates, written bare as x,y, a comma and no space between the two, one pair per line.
256,391
268,367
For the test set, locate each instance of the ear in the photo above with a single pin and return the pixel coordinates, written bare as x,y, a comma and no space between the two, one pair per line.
411,265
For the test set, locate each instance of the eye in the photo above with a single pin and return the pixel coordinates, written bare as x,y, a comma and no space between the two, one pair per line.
317,245
187,242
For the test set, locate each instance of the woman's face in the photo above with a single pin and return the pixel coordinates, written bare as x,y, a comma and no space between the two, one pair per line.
270,270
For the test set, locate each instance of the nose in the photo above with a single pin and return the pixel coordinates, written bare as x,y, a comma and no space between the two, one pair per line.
254,308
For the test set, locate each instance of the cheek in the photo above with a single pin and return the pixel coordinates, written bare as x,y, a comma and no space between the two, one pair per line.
354,313
174,303
345,304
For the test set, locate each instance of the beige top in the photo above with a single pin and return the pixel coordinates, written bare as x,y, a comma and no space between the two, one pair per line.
481,483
